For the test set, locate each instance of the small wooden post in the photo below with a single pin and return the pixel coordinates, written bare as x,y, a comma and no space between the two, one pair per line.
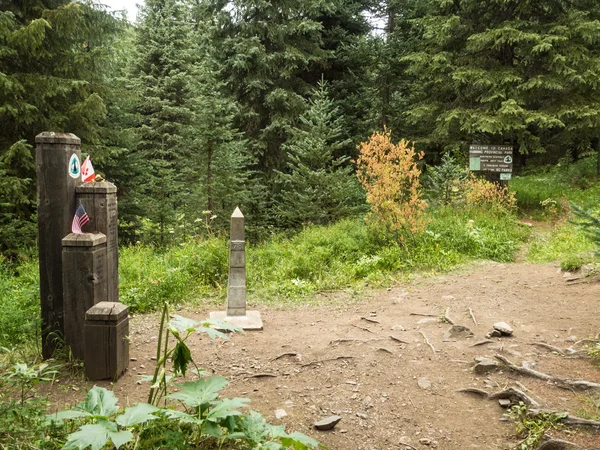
58,172
100,203
106,341
84,280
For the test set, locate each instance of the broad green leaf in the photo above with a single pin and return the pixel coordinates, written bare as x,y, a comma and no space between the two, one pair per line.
97,436
120,438
212,429
69,414
182,416
222,325
94,436
181,357
199,392
225,408
213,333
99,402
271,446
140,413
255,427
183,324
304,439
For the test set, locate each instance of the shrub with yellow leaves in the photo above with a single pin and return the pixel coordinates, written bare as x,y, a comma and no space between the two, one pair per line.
485,194
390,176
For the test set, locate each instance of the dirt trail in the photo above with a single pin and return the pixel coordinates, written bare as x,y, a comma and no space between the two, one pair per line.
391,395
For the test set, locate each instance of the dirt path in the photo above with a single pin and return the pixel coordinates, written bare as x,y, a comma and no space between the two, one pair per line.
392,395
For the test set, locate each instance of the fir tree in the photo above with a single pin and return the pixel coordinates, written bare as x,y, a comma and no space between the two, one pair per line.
163,81
319,186
264,49
53,56
523,72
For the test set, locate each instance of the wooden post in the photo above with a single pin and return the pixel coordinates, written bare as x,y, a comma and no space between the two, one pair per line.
106,341
100,203
58,170
84,281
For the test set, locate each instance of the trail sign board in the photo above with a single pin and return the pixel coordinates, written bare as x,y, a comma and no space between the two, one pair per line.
491,158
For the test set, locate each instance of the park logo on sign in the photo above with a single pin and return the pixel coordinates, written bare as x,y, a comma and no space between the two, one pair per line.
74,166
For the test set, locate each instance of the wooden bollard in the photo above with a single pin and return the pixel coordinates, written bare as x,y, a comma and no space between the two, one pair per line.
106,341
100,203
84,281
58,171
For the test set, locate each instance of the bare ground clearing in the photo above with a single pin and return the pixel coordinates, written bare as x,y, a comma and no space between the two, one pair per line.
341,359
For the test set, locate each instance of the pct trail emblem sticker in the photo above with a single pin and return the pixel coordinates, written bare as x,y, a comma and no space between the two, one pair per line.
74,166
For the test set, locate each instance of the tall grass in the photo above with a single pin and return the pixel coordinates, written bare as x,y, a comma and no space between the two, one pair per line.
282,270
289,270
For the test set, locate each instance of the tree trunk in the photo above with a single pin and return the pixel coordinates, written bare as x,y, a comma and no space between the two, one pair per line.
596,147
209,190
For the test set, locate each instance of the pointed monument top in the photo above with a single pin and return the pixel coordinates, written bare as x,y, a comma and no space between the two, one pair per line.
237,213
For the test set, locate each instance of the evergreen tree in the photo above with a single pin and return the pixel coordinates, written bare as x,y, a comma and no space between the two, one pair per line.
53,56
265,48
219,165
319,186
162,71
523,72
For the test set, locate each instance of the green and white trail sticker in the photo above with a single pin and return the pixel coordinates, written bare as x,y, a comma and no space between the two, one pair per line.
74,166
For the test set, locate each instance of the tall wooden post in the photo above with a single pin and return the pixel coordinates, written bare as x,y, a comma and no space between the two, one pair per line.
58,157
84,281
100,203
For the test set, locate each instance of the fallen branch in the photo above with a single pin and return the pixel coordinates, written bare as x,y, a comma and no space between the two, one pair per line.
326,360
562,382
427,342
446,316
370,320
473,317
284,354
422,315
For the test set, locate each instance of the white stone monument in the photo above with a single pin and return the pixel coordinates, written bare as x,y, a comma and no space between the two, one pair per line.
236,313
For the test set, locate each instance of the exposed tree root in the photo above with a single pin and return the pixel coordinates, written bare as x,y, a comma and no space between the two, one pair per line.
551,443
512,394
568,420
561,382
325,360
473,317
428,343
447,316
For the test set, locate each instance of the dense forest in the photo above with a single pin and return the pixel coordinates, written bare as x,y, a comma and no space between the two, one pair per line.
202,105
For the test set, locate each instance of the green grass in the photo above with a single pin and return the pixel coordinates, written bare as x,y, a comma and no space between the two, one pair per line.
565,243
287,270
19,304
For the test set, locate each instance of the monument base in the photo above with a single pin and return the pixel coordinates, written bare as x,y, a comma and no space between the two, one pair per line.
251,321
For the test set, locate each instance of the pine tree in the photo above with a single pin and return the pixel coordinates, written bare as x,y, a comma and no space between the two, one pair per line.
53,55
163,81
319,186
523,72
